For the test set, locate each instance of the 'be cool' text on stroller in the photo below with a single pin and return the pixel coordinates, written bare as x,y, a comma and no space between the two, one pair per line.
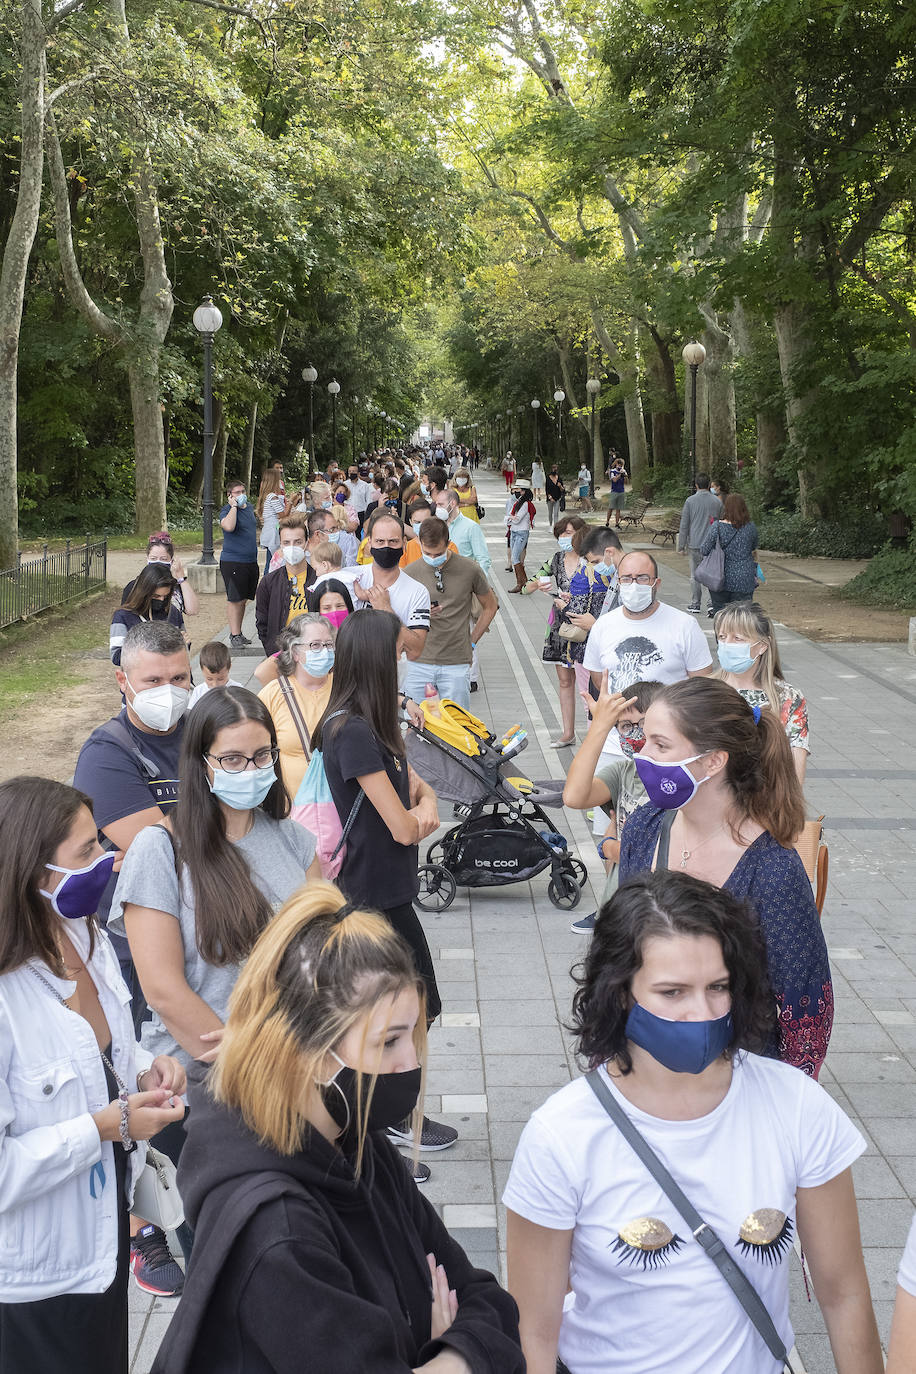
503,835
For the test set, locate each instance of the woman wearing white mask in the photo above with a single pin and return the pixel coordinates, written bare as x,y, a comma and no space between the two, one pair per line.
239,858
70,1152
466,492
300,694
749,661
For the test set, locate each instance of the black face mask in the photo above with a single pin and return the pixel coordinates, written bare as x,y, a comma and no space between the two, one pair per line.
393,1100
387,558
159,610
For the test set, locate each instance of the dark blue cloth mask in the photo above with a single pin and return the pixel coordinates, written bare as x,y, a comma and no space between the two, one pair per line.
681,1046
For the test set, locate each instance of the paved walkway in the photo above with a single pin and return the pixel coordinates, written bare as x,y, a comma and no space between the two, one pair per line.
503,956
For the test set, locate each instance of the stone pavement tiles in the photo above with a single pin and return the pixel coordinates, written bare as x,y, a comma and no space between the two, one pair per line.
503,956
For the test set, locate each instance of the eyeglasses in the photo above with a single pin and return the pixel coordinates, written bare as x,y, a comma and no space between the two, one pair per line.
315,645
237,763
643,579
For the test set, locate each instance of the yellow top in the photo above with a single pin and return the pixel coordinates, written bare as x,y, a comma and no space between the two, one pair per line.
297,602
467,501
293,762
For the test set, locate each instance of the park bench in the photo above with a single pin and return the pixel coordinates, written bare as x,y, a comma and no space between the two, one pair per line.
669,534
635,515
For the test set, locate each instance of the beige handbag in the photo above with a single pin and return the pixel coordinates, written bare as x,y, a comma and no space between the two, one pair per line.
575,633
813,853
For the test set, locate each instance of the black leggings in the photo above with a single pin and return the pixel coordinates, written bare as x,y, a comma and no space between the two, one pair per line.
407,924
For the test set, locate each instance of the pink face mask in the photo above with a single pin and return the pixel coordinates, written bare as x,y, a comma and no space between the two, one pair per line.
337,617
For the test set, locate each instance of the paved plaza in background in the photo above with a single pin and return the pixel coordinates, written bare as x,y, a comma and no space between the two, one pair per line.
503,956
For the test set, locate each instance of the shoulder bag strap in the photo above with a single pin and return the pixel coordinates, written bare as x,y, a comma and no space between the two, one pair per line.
354,809
295,710
664,841
702,1233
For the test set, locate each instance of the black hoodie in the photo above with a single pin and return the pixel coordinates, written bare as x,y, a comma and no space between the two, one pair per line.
298,1266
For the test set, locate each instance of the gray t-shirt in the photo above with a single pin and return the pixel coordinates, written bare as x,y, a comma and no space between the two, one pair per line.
277,854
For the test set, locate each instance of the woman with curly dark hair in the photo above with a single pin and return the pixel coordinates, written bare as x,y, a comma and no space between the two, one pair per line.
672,1011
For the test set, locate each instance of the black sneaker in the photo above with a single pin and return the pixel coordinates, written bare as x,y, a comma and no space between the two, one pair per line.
419,1172
238,641
710,613
244,639
433,1136
153,1265
694,610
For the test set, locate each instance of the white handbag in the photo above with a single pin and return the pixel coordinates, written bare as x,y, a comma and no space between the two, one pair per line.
156,1196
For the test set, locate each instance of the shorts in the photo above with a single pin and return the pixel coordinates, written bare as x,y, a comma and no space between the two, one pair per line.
616,500
240,580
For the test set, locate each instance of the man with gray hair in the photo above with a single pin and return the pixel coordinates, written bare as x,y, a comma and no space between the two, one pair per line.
128,768
698,513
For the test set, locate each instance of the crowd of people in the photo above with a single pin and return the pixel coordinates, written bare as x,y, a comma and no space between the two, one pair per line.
212,946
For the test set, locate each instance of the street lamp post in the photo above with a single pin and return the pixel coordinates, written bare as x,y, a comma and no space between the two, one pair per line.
693,354
593,386
207,320
310,375
535,407
333,390
559,396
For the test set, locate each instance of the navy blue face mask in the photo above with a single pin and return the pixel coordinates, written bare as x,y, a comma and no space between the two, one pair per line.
681,1046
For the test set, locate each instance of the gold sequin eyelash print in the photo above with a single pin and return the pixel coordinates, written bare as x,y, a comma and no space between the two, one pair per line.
646,1242
765,1235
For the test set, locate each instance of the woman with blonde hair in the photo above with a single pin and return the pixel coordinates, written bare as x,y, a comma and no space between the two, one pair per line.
292,1188
298,696
749,662
272,507
466,492
725,805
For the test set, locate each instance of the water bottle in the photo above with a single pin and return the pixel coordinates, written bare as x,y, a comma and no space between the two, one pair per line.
431,701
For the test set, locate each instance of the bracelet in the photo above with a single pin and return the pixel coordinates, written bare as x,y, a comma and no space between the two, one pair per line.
141,1074
601,843
124,1124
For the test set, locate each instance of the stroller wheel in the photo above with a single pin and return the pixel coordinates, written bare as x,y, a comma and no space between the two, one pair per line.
438,888
435,853
563,890
578,870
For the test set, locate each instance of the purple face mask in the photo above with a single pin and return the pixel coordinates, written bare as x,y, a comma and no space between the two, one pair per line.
668,785
81,890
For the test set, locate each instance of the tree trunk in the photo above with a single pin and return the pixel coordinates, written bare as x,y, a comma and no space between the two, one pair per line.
249,445
794,344
149,447
755,343
716,387
663,402
627,369
16,254
220,445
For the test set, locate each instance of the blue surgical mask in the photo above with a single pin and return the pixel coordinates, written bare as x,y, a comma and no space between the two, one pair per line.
681,1046
668,785
241,501
735,658
604,569
333,537
327,505
245,790
416,527
565,542
437,561
318,662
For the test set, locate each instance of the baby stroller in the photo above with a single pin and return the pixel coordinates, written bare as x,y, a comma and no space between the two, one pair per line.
503,835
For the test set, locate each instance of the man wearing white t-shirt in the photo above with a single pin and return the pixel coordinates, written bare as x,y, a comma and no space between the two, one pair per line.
383,586
644,640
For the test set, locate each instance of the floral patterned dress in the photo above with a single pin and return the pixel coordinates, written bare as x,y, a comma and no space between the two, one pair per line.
556,650
774,881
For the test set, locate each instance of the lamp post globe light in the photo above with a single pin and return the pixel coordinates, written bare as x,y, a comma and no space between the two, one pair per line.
693,354
333,390
559,397
310,375
207,320
593,387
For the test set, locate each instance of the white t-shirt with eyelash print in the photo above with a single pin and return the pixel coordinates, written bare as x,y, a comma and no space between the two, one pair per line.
645,1296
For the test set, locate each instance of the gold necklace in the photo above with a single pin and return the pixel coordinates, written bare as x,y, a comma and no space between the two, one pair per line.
687,853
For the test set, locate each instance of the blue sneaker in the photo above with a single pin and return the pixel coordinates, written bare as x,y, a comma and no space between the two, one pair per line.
585,924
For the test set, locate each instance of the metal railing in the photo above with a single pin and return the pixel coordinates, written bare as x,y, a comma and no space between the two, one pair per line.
53,579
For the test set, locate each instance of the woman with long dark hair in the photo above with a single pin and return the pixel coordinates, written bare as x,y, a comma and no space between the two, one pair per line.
737,533
150,598
313,1249
160,549
193,897
726,805
79,1097
519,524
673,1014
365,761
